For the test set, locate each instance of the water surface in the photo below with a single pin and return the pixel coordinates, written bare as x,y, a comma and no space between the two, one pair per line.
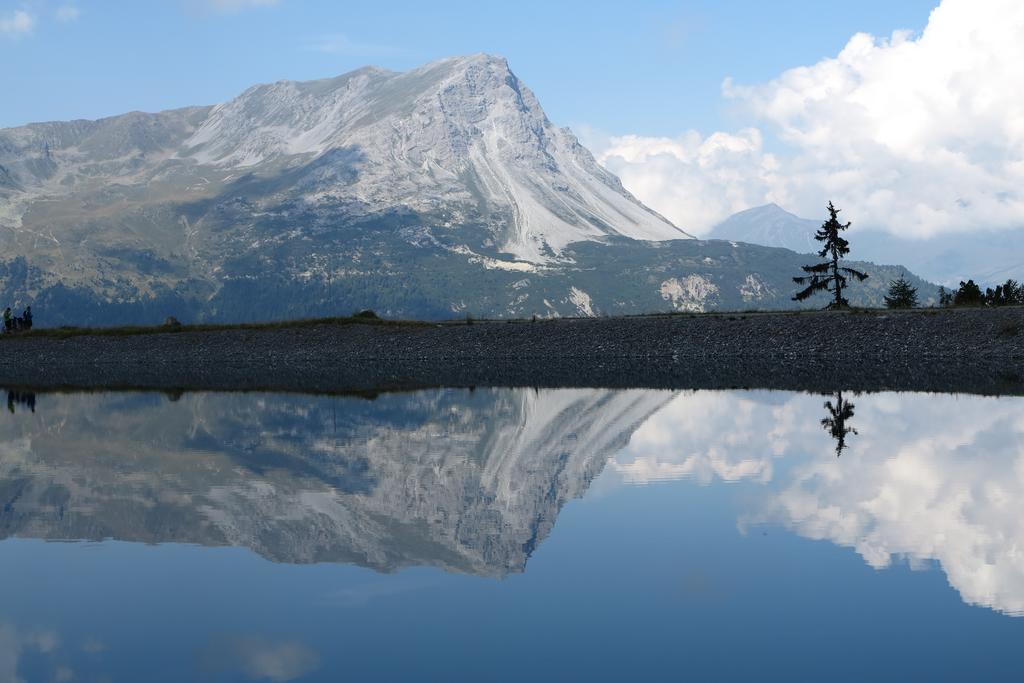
511,534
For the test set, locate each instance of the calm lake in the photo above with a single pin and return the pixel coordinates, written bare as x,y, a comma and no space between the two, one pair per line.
511,534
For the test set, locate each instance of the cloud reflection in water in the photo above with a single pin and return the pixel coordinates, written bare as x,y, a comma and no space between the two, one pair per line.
929,478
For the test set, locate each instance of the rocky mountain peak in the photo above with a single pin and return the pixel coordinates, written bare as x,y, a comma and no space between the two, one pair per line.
439,191
462,131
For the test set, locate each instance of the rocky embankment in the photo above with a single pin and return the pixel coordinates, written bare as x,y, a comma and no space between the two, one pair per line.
970,350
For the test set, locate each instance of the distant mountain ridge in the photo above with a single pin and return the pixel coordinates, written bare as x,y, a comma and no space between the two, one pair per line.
434,193
989,257
771,226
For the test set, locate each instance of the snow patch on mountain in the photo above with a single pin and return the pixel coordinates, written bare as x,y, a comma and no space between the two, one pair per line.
693,293
493,263
754,288
581,300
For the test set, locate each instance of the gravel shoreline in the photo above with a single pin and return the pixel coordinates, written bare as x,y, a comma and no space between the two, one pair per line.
958,350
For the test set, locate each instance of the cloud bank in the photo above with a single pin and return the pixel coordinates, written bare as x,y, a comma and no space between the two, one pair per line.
693,181
921,135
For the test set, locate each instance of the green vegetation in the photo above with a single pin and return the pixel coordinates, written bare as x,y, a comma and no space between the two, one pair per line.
969,294
829,276
366,315
1007,294
901,294
132,330
399,279
1010,293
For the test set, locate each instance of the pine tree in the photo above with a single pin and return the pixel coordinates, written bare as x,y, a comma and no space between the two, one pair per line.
1013,293
945,298
829,275
901,294
1006,294
969,294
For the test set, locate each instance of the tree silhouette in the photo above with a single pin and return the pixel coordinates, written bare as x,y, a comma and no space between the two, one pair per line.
1013,293
1007,294
835,423
969,294
829,275
901,294
22,398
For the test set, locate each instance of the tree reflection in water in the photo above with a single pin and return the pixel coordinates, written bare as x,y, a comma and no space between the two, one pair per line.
835,423
26,399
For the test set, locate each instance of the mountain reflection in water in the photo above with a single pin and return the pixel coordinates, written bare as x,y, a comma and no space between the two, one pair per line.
472,482
467,481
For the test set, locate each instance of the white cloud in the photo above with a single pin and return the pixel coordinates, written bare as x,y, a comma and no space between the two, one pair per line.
921,135
68,13
17,23
340,44
692,181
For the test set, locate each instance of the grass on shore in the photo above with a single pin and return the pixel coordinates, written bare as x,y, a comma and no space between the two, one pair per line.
361,319
133,330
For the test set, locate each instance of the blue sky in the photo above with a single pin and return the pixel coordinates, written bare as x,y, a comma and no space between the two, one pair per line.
651,68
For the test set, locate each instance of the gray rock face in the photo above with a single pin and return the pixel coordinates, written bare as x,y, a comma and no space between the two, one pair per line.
467,481
434,193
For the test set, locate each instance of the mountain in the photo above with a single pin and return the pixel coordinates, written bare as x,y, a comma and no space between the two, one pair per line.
437,192
466,481
770,226
988,257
